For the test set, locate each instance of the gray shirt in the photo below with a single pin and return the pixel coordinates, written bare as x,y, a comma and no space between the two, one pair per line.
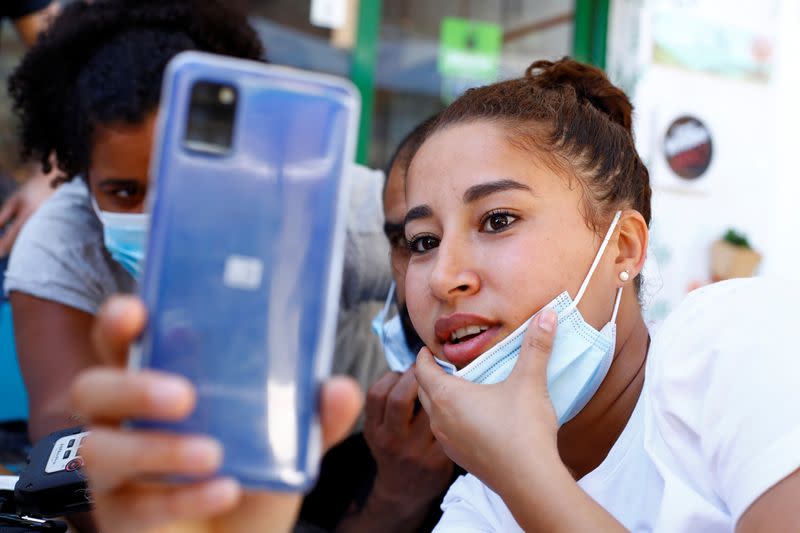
60,256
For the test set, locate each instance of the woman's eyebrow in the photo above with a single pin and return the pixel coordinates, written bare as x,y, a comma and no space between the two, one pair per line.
476,192
420,211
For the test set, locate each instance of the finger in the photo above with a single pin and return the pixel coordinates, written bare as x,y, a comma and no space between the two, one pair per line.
536,348
376,398
430,376
114,457
340,404
424,399
149,507
118,323
400,403
436,451
444,397
421,428
110,395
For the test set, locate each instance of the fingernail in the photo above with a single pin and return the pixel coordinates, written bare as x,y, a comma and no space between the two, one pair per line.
116,309
222,492
168,393
547,320
202,452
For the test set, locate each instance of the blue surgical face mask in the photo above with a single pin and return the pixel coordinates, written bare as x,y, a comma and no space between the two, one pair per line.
580,358
395,346
125,235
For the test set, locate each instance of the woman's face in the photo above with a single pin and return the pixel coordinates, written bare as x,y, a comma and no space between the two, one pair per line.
495,236
120,163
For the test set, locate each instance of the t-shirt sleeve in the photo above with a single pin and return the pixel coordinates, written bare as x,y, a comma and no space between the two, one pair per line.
40,270
15,9
59,255
358,351
739,366
470,507
751,408
367,273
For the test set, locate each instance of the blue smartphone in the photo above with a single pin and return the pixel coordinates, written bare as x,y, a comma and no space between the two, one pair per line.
245,252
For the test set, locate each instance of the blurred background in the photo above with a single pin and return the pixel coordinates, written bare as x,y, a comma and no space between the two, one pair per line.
713,82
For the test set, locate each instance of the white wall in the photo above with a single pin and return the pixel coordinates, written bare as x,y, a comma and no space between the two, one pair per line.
752,183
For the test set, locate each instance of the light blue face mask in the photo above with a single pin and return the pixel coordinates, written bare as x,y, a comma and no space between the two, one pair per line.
580,358
395,347
125,236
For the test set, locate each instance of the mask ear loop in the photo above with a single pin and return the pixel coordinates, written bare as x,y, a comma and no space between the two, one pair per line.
597,258
97,212
616,306
389,299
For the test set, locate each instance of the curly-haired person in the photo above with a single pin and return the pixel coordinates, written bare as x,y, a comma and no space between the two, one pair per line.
17,203
87,94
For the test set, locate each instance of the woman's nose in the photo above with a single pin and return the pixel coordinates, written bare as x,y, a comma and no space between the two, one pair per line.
453,275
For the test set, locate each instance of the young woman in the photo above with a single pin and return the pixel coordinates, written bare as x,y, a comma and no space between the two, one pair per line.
528,226
529,195
87,94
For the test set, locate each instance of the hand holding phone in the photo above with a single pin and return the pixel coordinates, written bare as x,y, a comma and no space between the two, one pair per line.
244,260
121,463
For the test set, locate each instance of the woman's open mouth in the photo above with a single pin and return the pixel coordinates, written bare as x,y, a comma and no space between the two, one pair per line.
465,337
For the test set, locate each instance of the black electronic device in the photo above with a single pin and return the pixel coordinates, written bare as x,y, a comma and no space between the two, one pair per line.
52,483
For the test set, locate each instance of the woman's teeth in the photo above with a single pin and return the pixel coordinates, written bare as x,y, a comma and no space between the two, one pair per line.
460,333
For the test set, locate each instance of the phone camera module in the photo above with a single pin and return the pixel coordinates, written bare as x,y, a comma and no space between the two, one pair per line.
211,118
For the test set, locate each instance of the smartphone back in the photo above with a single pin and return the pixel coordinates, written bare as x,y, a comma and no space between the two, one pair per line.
244,259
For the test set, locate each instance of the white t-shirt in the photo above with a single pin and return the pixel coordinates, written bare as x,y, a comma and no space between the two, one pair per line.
716,426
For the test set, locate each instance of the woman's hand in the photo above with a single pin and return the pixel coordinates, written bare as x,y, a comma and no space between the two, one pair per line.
412,469
487,429
506,435
118,461
19,207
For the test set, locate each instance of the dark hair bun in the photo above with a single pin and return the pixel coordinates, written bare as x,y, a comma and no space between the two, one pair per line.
589,83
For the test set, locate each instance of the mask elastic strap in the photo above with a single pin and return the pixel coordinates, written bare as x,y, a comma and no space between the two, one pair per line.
389,299
616,306
597,258
96,207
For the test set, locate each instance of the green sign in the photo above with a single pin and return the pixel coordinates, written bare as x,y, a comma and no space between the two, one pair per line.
470,49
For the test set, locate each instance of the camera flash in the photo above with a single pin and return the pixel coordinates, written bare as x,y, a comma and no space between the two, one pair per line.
226,96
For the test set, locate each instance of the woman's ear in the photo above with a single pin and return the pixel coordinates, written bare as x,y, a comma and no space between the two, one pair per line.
631,246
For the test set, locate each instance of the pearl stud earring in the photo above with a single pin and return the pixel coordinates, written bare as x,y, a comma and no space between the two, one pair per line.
624,276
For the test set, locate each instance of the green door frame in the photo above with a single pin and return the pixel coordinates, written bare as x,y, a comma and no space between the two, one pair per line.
591,31
362,71
588,45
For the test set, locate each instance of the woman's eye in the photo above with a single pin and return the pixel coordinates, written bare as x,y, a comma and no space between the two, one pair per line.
422,244
126,192
496,222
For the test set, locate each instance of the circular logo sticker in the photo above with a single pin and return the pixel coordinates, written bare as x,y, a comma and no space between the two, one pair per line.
688,147
75,464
